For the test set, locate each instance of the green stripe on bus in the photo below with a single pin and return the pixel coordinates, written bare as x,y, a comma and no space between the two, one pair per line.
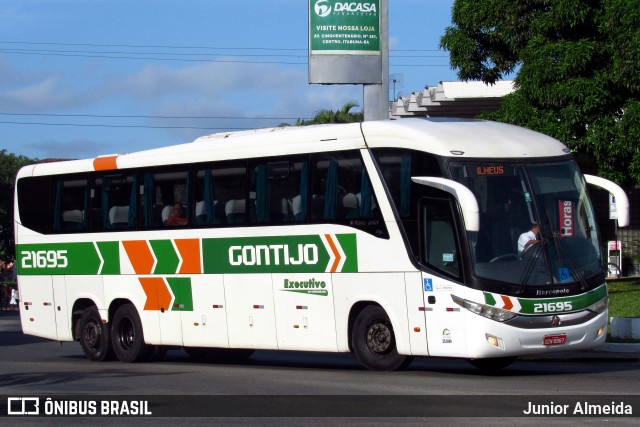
181,288
111,256
350,248
273,254
166,255
489,299
552,305
578,302
276,254
68,258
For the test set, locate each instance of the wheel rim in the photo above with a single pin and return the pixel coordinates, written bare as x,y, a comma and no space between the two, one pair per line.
93,335
126,334
380,337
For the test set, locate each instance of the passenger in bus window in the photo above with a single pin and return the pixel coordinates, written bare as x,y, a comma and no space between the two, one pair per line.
177,216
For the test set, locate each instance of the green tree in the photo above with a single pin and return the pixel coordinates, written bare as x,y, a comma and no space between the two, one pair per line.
578,70
343,115
9,166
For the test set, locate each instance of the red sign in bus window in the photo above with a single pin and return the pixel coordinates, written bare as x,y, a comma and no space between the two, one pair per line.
567,218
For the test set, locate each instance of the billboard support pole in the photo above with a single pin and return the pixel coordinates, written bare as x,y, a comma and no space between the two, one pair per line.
376,96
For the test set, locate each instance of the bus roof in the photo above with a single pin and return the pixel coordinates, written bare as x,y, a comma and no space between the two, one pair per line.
445,137
464,138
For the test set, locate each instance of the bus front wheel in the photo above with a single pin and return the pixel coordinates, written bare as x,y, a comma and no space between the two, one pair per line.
94,336
374,342
127,336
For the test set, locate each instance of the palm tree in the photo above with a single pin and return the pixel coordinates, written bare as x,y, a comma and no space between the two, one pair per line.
343,115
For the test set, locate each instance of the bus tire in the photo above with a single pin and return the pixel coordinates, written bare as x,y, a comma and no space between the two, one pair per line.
94,336
374,342
127,336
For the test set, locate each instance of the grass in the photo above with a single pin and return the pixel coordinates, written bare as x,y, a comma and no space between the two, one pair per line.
624,301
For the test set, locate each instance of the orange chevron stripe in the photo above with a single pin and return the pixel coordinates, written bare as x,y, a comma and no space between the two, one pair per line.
336,262
140,256
190,253
105,163
158,296
508,305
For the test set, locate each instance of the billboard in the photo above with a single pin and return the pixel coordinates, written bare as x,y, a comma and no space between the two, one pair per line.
345,42
344,28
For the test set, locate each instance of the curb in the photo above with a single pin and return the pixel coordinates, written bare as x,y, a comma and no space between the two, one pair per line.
607,352
615,347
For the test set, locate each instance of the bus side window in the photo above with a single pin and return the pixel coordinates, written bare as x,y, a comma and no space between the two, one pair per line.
279,190
341,193
439,248
165,198
70,204
114,202
207,208
223,199
34,197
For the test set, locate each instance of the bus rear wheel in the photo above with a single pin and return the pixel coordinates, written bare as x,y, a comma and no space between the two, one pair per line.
94,336
127,336
374,342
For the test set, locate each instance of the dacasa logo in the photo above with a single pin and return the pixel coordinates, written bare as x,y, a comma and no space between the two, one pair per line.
322,8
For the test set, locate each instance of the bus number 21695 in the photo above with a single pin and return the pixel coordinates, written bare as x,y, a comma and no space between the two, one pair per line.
552,307
44,259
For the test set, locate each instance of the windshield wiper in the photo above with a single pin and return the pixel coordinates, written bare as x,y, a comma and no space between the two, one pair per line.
562,255
531,263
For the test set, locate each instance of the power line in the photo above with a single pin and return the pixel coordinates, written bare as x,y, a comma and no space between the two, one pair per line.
154,58
47,51
210,56
217,61
118,126
133,46
253,55
116,116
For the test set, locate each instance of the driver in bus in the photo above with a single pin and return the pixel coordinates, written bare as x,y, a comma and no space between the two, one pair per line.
177,216
528,238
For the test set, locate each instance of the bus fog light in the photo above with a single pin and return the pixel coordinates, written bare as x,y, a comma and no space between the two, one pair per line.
600,331
495,341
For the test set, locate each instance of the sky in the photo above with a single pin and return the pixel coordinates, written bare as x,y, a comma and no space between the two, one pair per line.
80,78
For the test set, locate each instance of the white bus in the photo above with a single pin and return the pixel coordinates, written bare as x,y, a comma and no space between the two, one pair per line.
388,239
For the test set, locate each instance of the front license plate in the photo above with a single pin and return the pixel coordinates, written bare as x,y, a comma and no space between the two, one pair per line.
554,339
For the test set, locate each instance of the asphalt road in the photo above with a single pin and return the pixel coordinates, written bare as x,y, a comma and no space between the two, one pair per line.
335,383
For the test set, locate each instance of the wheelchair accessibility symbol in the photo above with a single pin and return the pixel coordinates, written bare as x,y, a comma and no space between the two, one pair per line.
564,275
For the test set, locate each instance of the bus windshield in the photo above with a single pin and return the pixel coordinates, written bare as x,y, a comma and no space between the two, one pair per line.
537,225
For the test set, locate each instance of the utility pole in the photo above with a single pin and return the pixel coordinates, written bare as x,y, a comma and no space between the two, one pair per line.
376,96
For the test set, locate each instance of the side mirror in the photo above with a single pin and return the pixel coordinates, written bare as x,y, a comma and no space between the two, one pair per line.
622,201
464,196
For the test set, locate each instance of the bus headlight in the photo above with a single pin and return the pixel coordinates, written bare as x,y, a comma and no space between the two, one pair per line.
600,306
493,313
